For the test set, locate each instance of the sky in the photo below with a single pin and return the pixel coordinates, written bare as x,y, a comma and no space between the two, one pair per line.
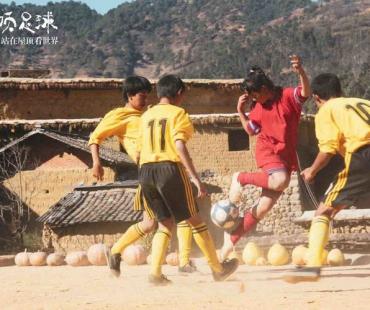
101,6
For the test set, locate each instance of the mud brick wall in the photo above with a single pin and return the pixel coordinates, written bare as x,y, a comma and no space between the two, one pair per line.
209,150
40,188
87,98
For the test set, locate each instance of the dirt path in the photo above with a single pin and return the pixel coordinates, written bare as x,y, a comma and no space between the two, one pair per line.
251,288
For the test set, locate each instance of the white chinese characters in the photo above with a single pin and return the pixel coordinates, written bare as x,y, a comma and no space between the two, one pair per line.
8,23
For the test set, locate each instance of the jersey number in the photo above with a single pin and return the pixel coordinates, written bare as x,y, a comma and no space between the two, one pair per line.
361,111
161,123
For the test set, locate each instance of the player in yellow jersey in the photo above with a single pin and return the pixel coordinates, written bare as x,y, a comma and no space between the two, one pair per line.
164,164
124,122
342,126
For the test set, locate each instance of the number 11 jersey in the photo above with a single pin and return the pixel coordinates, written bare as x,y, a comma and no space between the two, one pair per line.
160,127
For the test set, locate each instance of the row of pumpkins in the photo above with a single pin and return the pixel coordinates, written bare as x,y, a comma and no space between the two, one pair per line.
132,255
136,255
278,255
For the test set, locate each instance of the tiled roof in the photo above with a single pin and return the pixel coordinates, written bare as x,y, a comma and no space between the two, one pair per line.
94,204
106,154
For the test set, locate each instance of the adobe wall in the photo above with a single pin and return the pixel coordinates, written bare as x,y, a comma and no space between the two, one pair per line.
51,99
41,188
210,151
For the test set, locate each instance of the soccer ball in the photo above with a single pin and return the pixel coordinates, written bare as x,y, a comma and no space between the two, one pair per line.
225,214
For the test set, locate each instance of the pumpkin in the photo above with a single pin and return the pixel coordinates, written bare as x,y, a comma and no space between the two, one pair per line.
38,258
278,255
96,254
134,255
335,257
172,259
55,259
298,255
77,258
22,259
261,261
236,255
250,253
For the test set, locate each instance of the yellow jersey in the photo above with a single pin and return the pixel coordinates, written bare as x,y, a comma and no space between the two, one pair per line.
122,123
160,127
343,125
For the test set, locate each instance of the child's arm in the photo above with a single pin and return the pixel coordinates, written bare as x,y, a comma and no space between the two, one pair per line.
249,126
97,170
112,124
188,163
305,83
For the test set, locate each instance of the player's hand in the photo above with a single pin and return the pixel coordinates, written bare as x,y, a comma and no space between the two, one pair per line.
295,62
98,171
202,192
242,103
308,174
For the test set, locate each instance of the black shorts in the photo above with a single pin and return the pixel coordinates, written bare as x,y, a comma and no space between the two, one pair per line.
167,190
140,203
353,182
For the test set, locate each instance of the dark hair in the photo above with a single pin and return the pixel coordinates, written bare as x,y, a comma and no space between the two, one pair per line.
169,85
135,84
326,86
256,78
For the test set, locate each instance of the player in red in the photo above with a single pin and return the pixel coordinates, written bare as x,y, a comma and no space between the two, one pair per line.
274,118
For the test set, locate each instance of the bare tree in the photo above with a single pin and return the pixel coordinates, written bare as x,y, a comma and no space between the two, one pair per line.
13,161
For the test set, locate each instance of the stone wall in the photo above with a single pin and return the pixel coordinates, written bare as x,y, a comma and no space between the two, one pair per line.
280,220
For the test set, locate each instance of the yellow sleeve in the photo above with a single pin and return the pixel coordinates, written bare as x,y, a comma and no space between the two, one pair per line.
182,128
113,124
327,132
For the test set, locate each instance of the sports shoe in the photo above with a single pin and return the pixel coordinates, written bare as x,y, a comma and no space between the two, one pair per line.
161,280
303,274
188,268
236,189
114,262
228,267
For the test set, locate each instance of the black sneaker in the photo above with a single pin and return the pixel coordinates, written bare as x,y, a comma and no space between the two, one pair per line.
188,268
303,274
161,280
228,267
114,262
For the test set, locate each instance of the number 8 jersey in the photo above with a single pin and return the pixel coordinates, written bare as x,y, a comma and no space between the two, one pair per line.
160,127
343,125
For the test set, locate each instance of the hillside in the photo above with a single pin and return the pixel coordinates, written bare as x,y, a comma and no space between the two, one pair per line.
203,39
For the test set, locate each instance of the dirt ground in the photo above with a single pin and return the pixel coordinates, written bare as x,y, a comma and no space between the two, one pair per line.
250,288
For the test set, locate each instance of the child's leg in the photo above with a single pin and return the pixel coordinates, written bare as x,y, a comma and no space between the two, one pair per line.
250,220
276,179
220,271
205,242
319,233
160,243
185,236
133,233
